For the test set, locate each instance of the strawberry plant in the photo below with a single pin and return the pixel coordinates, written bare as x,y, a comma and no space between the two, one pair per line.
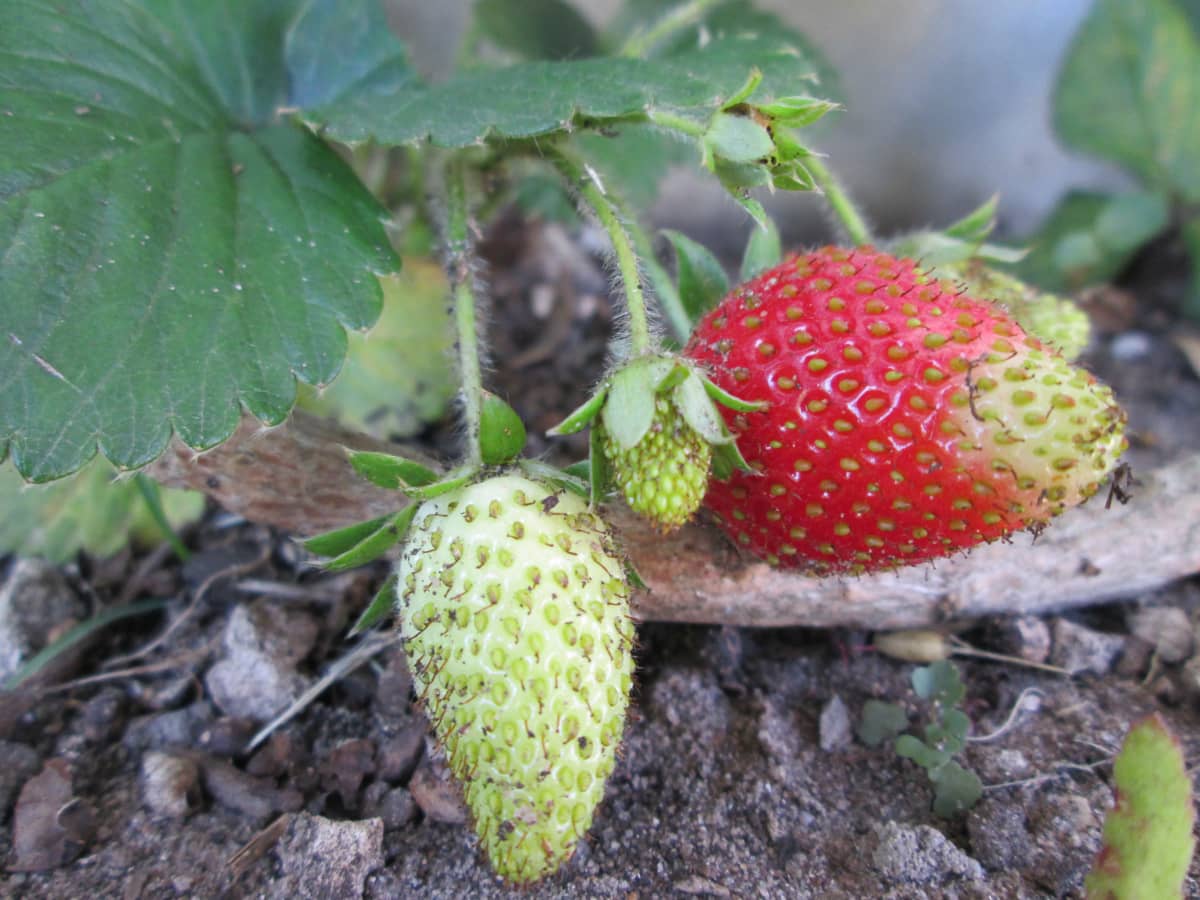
199,201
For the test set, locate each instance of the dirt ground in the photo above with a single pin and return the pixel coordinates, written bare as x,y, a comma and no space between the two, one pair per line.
740,774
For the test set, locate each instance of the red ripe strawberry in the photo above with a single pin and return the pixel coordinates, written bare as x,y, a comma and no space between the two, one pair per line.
905,420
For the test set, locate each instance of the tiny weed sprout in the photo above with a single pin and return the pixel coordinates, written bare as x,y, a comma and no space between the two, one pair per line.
232,211
956,788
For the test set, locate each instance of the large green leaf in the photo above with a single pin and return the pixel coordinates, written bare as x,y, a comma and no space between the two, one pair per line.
1090,238
536,98
1129,92
171,252
399,376
91,511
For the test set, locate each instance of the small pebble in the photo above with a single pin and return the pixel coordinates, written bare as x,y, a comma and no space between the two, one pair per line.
253,797
1080,649
918,854
170,784
1131,346
322,857
35,600
1166,628
835,728
398,755
394,805
437,796
17,763
227,736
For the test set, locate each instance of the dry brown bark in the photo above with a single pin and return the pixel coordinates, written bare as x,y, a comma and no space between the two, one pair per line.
296,477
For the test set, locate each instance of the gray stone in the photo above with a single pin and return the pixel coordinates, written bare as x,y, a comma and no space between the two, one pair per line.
999,835
918,854
325,858
1167,629
160,731
170,784
835,727
35,599
257,678
1080,649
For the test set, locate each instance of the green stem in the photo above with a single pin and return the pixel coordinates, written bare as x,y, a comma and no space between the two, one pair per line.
839,201
458,242
664,288
641,339
153,500
675,122
683,16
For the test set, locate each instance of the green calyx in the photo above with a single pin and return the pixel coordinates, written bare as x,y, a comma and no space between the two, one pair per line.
658,433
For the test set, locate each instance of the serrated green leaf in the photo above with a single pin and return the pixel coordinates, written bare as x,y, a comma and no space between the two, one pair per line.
1129,91
1148,840
399,376
764,250
377,543
336,48
339,540
389,471
629,409
93,511
700,278
535,29
537,98
956,789
582,415
171,256
881,721
501,431
381,604
719,21
939,682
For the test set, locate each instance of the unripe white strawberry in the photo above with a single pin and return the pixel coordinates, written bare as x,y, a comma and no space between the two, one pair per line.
514,610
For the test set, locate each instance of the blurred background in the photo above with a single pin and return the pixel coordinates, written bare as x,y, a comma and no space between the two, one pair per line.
946,103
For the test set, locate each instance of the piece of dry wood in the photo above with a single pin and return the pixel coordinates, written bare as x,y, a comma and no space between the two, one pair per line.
296,477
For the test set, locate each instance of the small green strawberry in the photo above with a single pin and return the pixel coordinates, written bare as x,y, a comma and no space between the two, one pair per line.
658,434
514,611
663,477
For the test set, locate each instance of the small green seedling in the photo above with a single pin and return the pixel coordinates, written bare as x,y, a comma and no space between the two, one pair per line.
1148,840
956,788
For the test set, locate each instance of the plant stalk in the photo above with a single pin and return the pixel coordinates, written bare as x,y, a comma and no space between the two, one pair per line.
458,244
641,338
839,201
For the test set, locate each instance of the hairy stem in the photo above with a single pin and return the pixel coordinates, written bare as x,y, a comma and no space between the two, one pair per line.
668,298
641,338
683,16
458,244
839,201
